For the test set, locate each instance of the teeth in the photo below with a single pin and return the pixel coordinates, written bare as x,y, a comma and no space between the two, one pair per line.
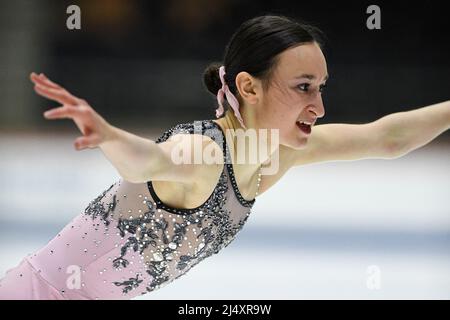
304,122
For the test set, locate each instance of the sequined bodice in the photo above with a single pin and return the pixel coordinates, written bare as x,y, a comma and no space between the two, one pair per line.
127,242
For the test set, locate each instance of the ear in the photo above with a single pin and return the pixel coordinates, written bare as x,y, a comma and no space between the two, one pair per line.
249,87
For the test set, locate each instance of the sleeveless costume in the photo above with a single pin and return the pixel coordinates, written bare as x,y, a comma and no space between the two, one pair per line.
127,242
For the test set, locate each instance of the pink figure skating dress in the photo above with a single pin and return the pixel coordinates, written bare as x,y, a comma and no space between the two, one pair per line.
127,242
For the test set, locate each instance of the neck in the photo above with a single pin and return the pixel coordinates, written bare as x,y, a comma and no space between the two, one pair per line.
249,168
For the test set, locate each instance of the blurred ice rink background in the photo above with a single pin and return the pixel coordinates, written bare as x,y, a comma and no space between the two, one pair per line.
318,234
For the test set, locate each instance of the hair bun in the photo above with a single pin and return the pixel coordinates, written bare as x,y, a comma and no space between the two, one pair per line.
211,78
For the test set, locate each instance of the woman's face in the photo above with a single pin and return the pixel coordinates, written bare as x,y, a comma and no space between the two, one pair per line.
294,94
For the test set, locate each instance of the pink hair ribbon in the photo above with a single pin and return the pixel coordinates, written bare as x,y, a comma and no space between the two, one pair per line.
234,103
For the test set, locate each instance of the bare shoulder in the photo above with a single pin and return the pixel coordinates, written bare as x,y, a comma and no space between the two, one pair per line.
196,156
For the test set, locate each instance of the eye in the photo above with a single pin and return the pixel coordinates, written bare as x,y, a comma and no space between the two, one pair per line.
323,86
304,86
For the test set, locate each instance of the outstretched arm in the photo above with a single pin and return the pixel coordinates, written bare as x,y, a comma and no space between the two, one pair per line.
389,137
136,159
409,130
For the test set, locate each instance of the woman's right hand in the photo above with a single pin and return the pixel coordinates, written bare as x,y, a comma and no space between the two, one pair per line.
94,128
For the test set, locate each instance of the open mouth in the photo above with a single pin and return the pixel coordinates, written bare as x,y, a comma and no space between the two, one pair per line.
305,128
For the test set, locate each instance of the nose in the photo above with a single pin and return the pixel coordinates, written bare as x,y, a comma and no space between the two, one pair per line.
317,107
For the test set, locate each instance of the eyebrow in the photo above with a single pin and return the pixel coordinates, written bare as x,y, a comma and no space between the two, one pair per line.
310,76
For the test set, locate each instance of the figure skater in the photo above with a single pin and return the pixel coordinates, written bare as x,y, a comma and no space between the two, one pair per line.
165,216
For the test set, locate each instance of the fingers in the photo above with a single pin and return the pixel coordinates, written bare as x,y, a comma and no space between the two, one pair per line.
49,82
51,90
87,142
59,95
44,81
64,112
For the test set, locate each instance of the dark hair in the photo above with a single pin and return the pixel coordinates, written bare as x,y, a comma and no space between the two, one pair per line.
254,48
